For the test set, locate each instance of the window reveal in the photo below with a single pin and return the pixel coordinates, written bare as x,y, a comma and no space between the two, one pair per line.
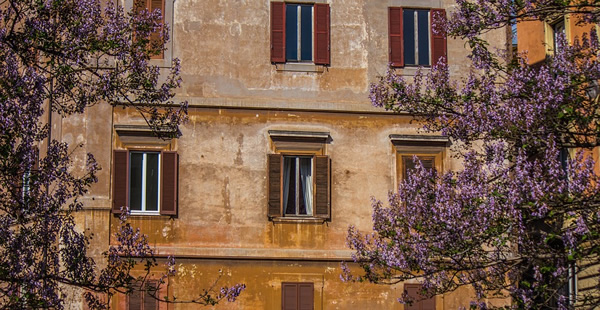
297,185
144,181
298,32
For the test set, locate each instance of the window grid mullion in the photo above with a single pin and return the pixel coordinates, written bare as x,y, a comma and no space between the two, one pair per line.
416,25
298,185
299,36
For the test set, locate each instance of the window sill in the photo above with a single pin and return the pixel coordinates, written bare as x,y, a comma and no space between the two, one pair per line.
411,71
298,219
300,67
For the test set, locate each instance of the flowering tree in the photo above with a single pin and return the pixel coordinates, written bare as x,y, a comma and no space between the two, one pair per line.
63,56
522,217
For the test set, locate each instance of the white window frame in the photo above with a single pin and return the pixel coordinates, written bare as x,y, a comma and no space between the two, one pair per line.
143,191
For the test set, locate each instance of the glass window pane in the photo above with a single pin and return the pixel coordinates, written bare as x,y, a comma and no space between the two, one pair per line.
152,181
306,188
291,201
306,32
408,24
291,32
135,181
423,24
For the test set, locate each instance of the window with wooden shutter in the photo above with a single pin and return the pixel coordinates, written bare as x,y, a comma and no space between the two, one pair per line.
297,296
412,39
120,180
439,49
419,302
299,186
300,33
322,40
277,32
395,37
142,298
151,6
145,181
428,162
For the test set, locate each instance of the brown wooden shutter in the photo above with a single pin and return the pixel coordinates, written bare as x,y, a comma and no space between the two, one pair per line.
323,191
275,162
305,296
396,41
120,180
36,160
168,195
277,32
289,296
322,41
414,292
155,36
150,303
438,41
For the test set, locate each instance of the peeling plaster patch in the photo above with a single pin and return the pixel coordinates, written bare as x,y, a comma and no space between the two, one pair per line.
235,29
165,231
238,159
329,270
226,200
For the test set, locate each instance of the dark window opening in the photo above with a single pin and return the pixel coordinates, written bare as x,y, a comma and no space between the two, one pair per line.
297,185
299,32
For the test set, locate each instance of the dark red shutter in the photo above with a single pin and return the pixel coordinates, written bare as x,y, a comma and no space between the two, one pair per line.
169,171
419,303
274,184
135,300
305,296
323,191
277,32
322,41
120,185
438,40
150,302
396,41
289,296
155,36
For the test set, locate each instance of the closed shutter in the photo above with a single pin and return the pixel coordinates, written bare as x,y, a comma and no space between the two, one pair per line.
306,296
323,190
277,32
135,301
409,164
150,302
120,185
274,184
322,41
289,296
169,171
413,291
396,41
155,36
438,40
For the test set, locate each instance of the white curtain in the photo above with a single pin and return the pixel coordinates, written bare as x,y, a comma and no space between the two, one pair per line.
286,181
307,188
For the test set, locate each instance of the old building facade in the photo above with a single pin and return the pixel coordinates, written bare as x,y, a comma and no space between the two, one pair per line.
282,150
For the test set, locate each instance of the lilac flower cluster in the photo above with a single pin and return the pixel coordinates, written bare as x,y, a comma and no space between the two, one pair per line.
521,216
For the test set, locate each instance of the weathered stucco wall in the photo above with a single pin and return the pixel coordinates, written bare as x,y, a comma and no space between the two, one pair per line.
236,96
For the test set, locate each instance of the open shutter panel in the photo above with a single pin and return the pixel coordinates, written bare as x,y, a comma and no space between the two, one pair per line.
155,36
396,41
168,195
289,296
323,191
322,42
120,180
438,40
274,183
306,296
277,32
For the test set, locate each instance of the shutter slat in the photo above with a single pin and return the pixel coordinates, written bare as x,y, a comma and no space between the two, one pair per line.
289,296
439,40
322,41
277,32
274,164
306,296
120,180
323,192
169,174
396,40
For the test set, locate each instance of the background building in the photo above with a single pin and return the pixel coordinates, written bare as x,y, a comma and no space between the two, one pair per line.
282,150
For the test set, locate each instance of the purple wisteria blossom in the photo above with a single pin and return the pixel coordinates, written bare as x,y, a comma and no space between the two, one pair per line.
63,56
521,219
